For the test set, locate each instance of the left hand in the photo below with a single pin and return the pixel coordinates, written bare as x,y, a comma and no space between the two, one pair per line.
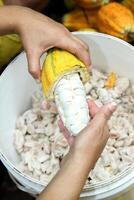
93,109
84,152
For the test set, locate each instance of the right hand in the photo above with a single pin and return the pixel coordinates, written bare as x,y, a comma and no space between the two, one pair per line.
40,33
90,142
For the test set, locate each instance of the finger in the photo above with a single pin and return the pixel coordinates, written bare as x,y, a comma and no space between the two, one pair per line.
93,108
34,64
81,42
65,132
77,49
84,46
103,115
63,129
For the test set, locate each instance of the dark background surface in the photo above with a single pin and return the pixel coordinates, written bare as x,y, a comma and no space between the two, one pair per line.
8,190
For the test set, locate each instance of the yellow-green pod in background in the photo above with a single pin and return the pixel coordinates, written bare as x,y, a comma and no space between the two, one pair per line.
1,3
10,46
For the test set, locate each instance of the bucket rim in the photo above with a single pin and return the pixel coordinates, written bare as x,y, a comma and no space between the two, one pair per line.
105,183
104,35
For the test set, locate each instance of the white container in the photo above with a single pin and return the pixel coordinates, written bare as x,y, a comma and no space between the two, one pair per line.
17,86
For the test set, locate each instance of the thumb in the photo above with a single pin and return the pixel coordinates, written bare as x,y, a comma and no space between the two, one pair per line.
34,65
104,114
72,45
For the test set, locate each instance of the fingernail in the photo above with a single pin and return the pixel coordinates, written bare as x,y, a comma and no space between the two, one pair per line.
112,106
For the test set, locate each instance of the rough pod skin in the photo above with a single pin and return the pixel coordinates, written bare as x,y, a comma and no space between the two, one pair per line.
129,4
117,20
63,76
85,19
69,20
90,4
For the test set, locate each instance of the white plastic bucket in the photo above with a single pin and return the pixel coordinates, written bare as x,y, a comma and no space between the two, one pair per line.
17,86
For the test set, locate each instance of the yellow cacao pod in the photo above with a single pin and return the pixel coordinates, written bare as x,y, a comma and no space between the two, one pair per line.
1,3
129,4
117,20
80,19
90,4
91,16
75,20
58,63
10,45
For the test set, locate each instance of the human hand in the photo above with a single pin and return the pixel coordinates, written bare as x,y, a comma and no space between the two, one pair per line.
40,33
90,142
34,4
